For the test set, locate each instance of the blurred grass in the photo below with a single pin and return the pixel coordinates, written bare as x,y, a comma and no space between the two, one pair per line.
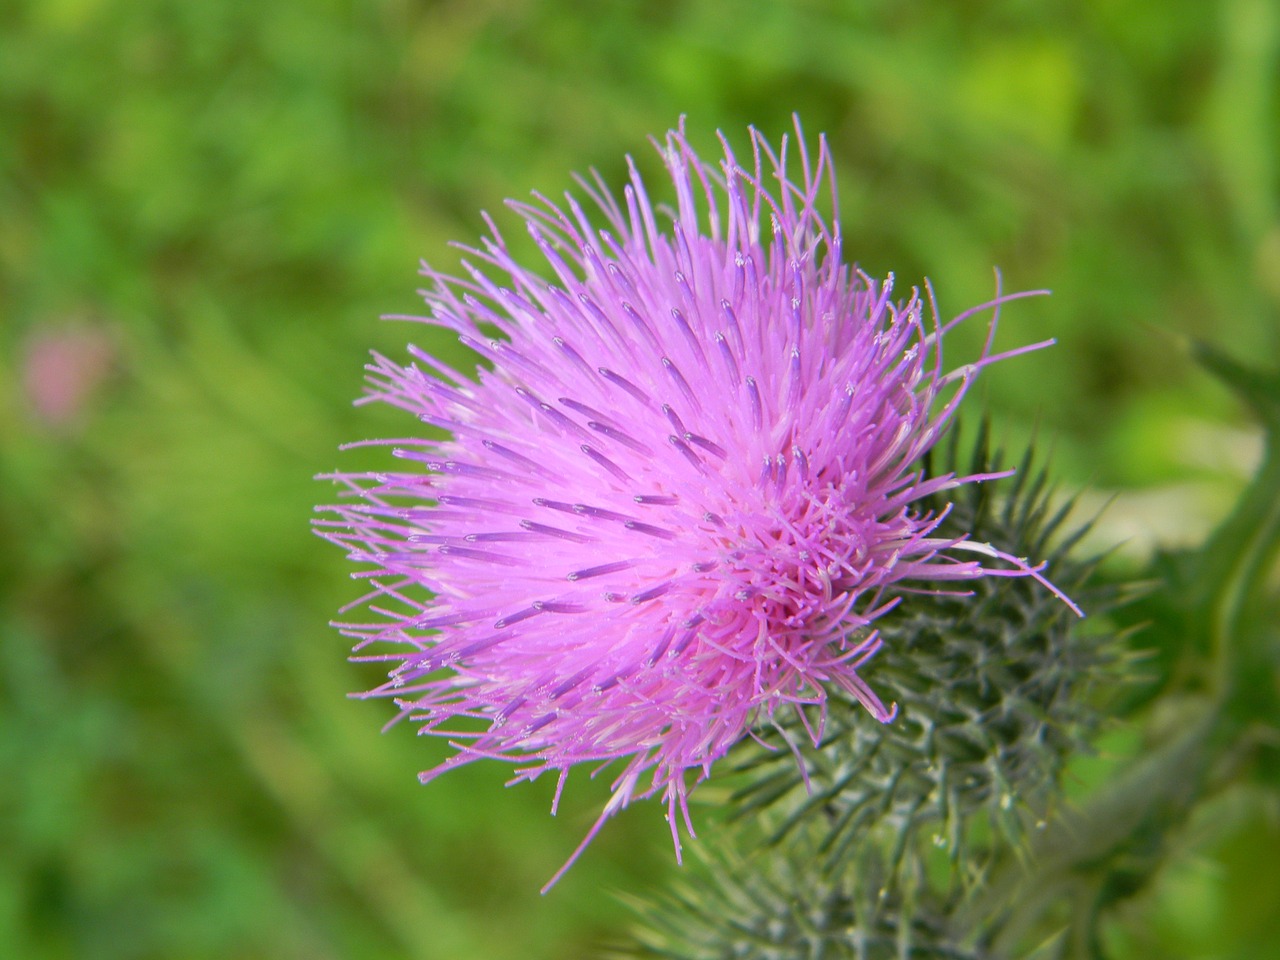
230,194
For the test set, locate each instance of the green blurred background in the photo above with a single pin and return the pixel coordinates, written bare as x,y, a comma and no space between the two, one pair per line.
205,207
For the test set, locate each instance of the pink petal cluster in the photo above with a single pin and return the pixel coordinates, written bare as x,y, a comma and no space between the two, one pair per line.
61,370
676,493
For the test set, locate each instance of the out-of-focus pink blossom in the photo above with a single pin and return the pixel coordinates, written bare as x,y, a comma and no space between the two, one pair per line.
61,368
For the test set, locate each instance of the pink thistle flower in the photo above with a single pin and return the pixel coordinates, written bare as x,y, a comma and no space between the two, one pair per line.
678,493
61,370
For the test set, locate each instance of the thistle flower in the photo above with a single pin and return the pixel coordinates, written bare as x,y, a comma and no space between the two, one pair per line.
61,370
678,492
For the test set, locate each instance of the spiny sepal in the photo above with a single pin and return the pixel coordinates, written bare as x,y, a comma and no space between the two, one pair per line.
993,690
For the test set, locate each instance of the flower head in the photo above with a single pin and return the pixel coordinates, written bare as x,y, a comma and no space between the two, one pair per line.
62,369
676,494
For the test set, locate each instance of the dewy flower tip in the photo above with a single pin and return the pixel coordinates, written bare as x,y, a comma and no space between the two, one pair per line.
676,494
